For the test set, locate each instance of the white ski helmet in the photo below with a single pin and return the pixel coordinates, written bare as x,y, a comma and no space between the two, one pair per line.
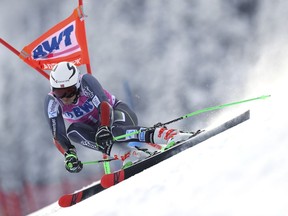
63,75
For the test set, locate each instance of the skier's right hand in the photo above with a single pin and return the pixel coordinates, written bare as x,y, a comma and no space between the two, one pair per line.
72,164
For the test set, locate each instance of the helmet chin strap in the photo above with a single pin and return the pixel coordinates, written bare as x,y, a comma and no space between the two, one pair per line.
77,96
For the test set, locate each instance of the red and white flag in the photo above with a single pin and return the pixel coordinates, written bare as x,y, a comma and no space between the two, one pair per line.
66,41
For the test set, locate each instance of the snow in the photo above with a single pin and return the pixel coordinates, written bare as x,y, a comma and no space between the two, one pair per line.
242,171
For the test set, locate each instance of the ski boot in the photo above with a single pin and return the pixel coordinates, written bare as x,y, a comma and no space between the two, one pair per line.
128,155
170,137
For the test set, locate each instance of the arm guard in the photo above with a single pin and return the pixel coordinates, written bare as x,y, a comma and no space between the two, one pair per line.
56,123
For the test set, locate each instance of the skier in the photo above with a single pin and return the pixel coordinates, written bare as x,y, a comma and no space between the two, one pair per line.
93,116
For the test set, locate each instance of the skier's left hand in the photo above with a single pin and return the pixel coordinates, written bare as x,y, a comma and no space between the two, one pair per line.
104,139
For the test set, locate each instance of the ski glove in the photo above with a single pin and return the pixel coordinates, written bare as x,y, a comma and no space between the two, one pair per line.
104,139
72,164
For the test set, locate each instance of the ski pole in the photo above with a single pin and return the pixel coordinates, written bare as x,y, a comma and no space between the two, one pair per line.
106,164
98,161
193,114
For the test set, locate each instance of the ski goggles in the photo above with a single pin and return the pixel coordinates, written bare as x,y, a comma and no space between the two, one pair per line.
65,92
